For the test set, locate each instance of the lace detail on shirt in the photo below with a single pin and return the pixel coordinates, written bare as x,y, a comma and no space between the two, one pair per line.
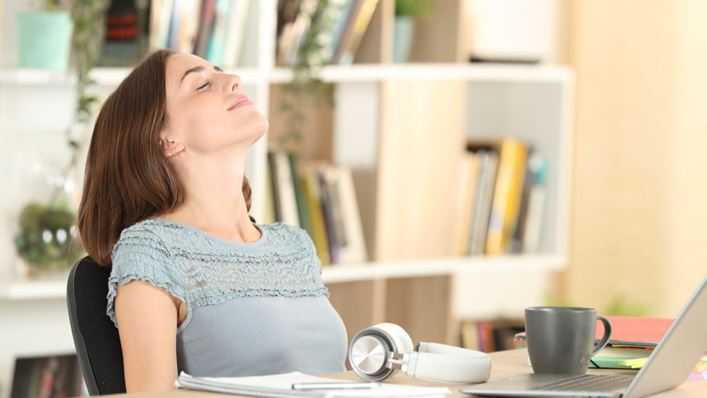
200,270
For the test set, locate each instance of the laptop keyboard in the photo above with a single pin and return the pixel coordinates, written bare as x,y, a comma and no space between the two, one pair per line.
588,383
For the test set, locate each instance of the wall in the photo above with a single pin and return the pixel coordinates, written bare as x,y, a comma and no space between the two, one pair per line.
637,198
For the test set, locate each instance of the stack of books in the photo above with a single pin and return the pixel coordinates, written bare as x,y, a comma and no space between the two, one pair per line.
340,24
501,198
212,29
321,199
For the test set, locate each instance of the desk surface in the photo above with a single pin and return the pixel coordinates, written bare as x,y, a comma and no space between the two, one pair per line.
505,364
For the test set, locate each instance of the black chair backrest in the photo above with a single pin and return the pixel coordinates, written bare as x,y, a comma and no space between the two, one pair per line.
95,337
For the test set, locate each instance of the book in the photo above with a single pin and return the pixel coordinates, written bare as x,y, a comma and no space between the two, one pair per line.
620,358
535,206
507,195
219,32
352,37
467,185
328,216
302,208
280,385
269,201
286,189
488,164
295,33
274,187
236,31
160,23
343,10
352,246
309,181
206,24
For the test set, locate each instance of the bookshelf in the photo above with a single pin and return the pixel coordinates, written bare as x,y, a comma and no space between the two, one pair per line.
410,278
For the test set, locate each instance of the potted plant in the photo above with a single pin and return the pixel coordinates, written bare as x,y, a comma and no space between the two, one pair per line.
47,239
45,36
405,13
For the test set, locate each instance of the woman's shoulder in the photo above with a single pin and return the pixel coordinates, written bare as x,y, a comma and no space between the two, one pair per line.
286,233
145,237
160,231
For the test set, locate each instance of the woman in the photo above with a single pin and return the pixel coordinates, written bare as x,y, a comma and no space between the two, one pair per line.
195,284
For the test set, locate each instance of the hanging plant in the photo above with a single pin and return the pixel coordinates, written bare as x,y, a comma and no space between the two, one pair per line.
306,83
47,238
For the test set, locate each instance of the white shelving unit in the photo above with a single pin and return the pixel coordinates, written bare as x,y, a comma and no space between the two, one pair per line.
533,102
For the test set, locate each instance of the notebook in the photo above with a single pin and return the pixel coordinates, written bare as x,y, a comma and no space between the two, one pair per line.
280,385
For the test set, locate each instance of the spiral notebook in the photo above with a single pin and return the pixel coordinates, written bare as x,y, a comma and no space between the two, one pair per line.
280,385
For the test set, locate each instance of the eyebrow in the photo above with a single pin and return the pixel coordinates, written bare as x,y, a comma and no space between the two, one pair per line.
197,69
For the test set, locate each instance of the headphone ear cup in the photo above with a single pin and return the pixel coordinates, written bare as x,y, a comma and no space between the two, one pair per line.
368,353
402,342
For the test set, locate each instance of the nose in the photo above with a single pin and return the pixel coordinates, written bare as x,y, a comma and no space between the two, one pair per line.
231,82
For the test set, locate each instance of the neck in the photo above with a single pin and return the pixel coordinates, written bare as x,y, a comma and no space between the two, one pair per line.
214,200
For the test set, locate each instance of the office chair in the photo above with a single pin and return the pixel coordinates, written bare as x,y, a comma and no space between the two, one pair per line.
95,337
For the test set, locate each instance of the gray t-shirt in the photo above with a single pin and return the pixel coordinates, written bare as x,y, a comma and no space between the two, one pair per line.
253,308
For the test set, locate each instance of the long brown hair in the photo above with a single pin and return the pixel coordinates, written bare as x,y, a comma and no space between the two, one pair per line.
127,177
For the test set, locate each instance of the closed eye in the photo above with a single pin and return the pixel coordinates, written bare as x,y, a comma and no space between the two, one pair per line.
203,86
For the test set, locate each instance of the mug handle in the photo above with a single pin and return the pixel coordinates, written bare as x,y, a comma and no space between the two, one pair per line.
607,334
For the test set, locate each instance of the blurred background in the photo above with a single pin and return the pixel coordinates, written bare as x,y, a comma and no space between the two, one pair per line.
454,161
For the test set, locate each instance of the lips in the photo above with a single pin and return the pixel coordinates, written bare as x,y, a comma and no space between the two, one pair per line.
239,102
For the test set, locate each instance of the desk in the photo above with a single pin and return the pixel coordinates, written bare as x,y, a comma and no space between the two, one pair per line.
505,364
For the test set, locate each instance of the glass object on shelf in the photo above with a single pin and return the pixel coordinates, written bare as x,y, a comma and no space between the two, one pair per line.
404,25
48,239
44,39
402,38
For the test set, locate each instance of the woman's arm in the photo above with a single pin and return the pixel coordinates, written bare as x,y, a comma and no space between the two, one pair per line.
147,324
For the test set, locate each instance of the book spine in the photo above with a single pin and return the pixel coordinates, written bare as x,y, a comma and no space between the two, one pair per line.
302,210
274,186
319,234
214,52
286,190
480,222
327,212
355,250
506,197
360,26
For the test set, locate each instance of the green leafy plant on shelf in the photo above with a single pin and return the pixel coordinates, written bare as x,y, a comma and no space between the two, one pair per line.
620,305
47,239
306,82
414,8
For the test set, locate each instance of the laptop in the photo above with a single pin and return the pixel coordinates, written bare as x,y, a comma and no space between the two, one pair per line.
668,366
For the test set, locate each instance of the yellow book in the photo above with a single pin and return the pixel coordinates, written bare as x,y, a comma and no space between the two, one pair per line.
310,186
506,196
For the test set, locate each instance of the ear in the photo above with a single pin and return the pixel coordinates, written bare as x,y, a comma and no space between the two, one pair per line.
169,145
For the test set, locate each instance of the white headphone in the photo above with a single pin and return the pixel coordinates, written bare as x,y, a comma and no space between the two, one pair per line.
377,352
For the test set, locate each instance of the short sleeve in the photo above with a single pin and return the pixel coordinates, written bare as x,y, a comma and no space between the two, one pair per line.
140,255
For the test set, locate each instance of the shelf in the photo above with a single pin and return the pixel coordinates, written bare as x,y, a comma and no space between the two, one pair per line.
54,287
102,76
342,74
19,288
470,72
437,267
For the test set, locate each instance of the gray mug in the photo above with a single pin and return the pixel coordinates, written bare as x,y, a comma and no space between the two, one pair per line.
561,339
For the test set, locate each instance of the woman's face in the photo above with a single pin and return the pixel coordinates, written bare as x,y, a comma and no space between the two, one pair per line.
207,110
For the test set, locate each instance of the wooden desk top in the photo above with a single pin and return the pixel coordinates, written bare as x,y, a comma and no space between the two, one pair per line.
505,364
